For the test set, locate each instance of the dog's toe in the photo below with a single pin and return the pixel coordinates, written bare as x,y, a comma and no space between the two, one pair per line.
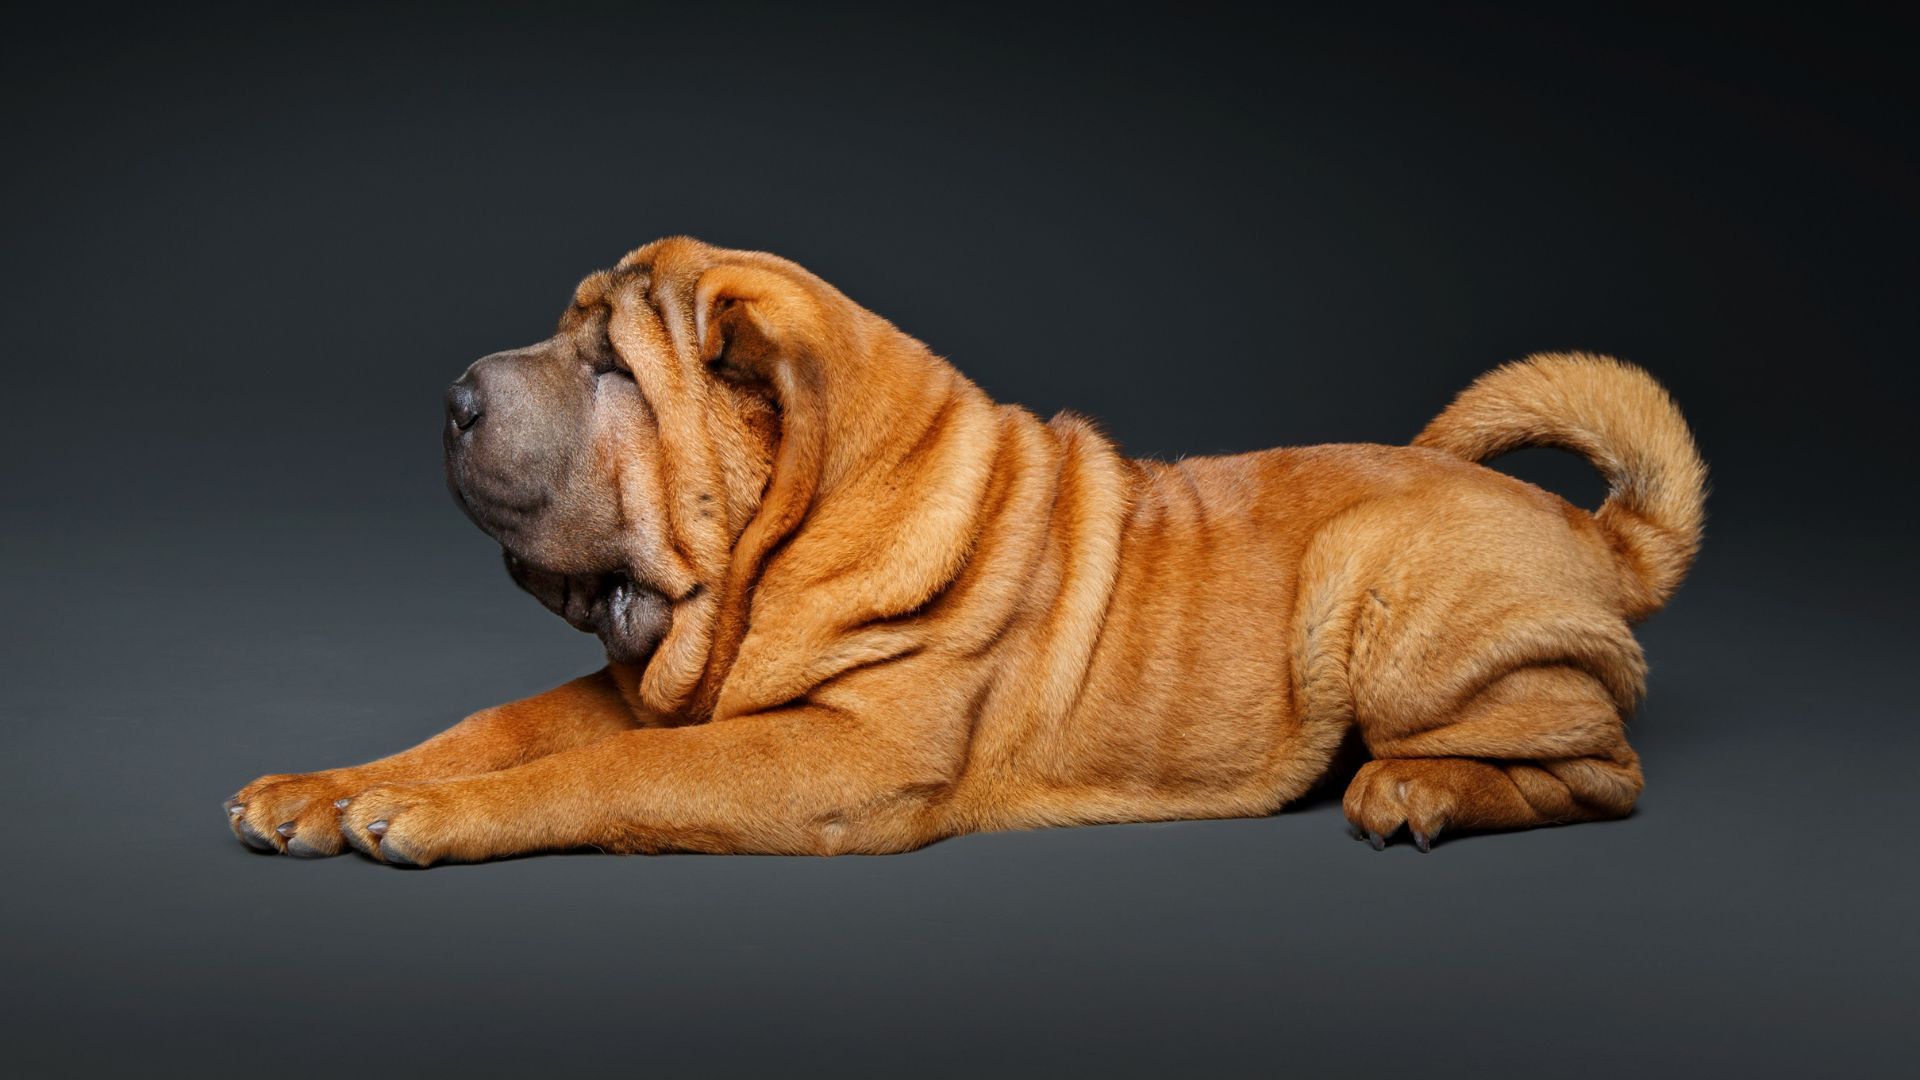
301,849
359,842
254,838
395,855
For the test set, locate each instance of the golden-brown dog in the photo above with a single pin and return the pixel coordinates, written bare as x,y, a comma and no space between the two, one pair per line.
852,605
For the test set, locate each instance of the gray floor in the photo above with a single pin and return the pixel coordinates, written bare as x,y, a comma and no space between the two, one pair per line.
1755,914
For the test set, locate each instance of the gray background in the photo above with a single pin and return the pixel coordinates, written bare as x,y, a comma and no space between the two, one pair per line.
244,254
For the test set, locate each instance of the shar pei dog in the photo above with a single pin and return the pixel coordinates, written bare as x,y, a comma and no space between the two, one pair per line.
851,604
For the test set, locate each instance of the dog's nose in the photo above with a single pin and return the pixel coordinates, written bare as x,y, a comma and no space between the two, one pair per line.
464,406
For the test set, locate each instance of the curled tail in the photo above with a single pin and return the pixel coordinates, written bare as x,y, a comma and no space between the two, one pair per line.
1620,420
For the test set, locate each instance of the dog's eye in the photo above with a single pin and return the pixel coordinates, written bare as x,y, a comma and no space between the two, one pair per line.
595,346
604,361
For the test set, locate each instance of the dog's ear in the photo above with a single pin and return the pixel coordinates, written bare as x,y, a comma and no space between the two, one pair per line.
760,328
756,326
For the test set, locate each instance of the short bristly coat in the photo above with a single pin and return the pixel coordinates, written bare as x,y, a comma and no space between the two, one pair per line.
852,605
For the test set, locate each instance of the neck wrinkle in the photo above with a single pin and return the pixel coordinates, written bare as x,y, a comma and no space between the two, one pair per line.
839,432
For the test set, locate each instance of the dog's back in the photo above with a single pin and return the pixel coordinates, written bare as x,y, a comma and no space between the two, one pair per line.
1472,626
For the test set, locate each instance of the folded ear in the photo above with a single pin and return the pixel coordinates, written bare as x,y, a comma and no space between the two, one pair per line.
764,330
756,326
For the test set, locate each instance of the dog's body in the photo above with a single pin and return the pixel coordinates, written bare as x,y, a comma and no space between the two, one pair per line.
852,605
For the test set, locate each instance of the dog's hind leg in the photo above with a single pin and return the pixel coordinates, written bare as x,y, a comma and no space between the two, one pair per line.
1540,745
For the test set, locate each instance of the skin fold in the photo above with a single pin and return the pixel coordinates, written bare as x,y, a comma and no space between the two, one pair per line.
851,604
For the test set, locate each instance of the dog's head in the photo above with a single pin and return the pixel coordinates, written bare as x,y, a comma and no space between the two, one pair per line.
620,462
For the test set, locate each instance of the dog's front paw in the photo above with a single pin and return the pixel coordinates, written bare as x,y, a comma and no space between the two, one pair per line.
414,824
294,813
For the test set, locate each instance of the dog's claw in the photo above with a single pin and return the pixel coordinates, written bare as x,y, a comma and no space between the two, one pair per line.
1376,841
378,828
1355,831
287,829
341,804
1424,842
234,807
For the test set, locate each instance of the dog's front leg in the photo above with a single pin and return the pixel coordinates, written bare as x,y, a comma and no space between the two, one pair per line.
299,813
800,780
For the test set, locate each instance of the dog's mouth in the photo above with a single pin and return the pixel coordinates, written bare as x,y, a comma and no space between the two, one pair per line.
629,616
